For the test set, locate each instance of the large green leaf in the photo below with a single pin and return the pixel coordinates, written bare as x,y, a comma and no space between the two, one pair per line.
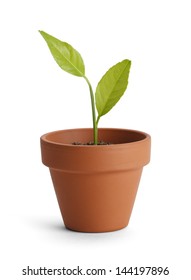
112,86
65,55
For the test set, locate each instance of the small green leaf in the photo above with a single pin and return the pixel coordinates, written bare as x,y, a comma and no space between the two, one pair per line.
112,86
65,55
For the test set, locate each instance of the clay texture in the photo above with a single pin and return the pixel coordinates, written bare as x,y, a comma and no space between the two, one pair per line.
96,186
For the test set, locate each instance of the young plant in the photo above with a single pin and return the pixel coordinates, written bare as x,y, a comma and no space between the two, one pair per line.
109,89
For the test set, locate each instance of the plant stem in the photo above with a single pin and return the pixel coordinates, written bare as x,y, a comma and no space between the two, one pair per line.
95,128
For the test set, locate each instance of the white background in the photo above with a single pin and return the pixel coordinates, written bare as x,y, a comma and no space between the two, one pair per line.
36,97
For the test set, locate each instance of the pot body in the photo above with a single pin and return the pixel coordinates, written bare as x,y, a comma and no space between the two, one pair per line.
96,186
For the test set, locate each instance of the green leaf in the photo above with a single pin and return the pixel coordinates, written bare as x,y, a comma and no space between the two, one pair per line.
65,55
112,86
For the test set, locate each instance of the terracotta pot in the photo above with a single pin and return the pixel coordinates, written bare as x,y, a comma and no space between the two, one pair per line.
96,186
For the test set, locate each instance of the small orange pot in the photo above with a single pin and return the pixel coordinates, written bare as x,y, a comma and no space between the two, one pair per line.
96,186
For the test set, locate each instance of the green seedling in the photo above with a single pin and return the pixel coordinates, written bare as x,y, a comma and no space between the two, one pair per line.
109,89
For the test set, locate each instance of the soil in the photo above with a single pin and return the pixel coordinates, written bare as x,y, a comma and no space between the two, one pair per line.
91,143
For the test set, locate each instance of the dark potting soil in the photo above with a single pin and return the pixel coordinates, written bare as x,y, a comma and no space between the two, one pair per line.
91,143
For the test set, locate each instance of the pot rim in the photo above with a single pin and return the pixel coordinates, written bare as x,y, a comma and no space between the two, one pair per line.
45,139
81,158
